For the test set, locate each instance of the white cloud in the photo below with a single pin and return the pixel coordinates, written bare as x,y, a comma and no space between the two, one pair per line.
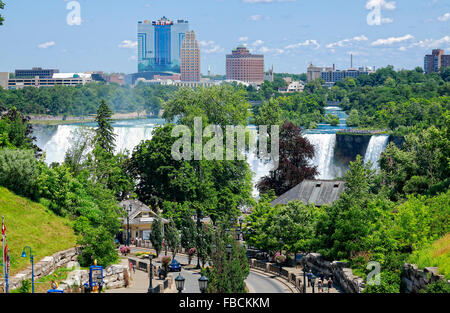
267,50
258,43
128,44
345,42
383,4
392,40
444,18
46,45
303,44
241,39
256,17
210,46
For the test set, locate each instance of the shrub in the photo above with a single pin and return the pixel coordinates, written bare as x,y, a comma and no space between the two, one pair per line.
19,170
125,250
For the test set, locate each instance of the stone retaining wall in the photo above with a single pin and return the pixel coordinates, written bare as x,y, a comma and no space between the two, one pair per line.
342,274
144,265
45,267
414,279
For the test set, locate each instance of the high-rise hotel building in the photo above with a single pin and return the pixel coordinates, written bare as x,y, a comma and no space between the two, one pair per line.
244,66
435,61
159,44
190,58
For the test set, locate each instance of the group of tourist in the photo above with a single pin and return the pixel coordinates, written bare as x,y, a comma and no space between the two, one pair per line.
322,284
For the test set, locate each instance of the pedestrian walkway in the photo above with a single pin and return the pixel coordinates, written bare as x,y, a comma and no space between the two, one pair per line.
299,272
139,283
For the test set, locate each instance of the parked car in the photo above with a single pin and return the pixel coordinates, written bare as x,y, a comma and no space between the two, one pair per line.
174,266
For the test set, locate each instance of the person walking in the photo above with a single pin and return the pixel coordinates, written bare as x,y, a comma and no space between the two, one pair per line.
319,285
330,284
309,278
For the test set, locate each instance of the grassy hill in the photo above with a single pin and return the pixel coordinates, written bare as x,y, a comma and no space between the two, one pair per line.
31,224
436,254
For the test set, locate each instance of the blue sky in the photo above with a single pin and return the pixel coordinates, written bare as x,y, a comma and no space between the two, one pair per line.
290,33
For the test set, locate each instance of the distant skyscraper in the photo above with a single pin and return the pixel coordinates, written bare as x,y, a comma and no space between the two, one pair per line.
244,66
159,44
190,58
435,61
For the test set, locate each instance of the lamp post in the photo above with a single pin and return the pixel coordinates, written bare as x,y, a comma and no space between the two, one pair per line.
128,210
229,248
179,282
203,283
304,279
150,288
24,255
313,282
198,237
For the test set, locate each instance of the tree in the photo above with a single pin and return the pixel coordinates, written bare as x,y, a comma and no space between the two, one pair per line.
82,140
293,168
2,6
105,136
156,236
295,224
17,132
19,171
172,237
228,273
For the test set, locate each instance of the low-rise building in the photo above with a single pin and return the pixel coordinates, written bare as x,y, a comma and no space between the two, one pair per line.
58,79
294,86
317,192
140,220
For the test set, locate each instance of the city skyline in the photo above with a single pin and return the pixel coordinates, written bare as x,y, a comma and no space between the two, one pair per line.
289,33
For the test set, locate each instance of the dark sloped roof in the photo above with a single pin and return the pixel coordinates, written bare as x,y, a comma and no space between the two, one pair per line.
319,192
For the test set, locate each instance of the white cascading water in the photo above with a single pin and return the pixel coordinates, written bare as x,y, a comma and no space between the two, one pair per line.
377,145
324,145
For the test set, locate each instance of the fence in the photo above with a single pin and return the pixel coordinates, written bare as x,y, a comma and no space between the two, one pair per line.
275,269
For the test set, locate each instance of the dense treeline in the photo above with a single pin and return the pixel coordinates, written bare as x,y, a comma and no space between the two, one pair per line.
83,99
393,216
396,100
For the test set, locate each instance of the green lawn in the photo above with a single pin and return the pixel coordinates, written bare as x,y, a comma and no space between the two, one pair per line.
31,224
435,255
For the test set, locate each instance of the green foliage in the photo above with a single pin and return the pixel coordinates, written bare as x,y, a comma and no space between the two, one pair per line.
83,100
353,118
156,236
105,136
172,237
26,287
19,170
217,105
2,6
331,119
227,274
437,287
436,254
16,132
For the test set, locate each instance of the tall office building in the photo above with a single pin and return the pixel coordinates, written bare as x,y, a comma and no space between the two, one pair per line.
159,44
244,66
190,58
435,61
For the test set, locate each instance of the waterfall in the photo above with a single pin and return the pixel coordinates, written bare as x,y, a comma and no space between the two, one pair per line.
324,145
376,146
126,139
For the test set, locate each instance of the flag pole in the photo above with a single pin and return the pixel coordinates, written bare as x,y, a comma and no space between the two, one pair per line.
3,256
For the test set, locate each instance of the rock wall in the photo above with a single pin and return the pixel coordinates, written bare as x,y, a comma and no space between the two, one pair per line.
45,267
414,279
114,276
348,147
342,274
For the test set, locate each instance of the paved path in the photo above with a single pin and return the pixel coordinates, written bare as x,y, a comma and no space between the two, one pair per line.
256,282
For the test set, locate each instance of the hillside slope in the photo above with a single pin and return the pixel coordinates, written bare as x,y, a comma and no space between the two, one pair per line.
31,224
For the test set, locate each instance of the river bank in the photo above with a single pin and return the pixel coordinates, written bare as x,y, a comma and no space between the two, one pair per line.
41,119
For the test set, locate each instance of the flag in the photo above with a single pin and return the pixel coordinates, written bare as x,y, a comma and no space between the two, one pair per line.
5,252
3,228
